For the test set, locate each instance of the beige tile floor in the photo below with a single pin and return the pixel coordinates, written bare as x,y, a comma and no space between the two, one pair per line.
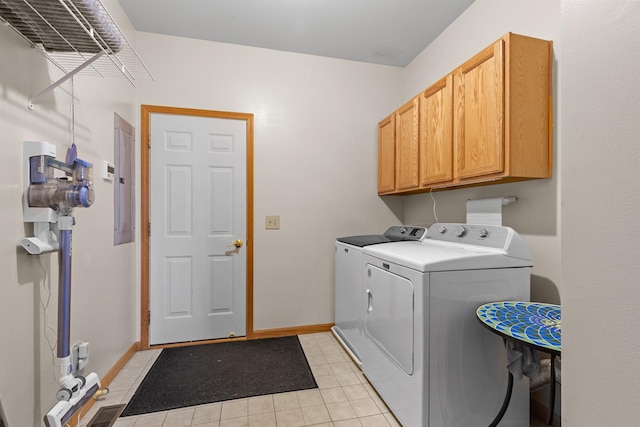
343,398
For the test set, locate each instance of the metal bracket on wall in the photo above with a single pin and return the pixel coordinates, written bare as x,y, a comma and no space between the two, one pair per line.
65,78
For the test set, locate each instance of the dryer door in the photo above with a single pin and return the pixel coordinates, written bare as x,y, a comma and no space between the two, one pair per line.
390,311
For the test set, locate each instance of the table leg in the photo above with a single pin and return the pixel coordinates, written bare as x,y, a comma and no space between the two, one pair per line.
552,391
505,404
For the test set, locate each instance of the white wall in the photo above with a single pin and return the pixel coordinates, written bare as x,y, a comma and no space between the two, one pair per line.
536,215
600,212
103,280
315,146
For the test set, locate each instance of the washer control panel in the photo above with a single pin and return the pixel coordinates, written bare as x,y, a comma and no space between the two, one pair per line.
405,232
491,236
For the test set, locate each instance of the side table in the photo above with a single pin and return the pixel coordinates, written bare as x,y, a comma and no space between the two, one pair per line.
533,324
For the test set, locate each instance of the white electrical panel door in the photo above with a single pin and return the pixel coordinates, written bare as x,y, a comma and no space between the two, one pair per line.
198,228
124,213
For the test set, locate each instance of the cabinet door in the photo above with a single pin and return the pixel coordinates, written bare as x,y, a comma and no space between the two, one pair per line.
387,155
436,133
407,145
479,114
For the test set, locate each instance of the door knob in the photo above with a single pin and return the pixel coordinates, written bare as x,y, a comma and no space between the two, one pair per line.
237,244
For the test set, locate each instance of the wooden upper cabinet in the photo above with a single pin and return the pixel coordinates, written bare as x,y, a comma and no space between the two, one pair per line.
488,121
436,133
502,111
407,145
479,112
387,155
528,124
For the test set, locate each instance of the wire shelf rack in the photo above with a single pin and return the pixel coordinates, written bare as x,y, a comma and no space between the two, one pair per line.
77,36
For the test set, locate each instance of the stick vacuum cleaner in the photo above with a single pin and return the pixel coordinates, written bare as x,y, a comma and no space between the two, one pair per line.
48,203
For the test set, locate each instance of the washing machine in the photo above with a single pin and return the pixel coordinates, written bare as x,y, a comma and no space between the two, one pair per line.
349,283
423,350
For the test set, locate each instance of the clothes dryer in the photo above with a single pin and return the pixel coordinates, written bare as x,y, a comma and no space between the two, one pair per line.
349,283
423,349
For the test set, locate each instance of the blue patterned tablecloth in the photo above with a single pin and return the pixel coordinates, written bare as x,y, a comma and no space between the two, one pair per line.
533,323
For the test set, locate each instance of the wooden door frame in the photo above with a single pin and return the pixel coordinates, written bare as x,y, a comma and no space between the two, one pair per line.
145,146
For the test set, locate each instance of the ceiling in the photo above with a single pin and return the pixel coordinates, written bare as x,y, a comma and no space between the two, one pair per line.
389,32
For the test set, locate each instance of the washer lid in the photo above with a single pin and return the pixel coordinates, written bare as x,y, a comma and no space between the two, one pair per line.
366,240
395,233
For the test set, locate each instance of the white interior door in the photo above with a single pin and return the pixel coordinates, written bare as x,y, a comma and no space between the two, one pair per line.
197,276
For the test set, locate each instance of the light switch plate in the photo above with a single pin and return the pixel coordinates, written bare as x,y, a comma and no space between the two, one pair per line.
272,222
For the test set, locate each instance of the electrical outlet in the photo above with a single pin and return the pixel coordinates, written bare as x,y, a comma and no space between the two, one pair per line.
272,222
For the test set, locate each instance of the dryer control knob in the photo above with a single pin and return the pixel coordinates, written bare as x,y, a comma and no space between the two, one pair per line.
461,230
484,233
442,229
